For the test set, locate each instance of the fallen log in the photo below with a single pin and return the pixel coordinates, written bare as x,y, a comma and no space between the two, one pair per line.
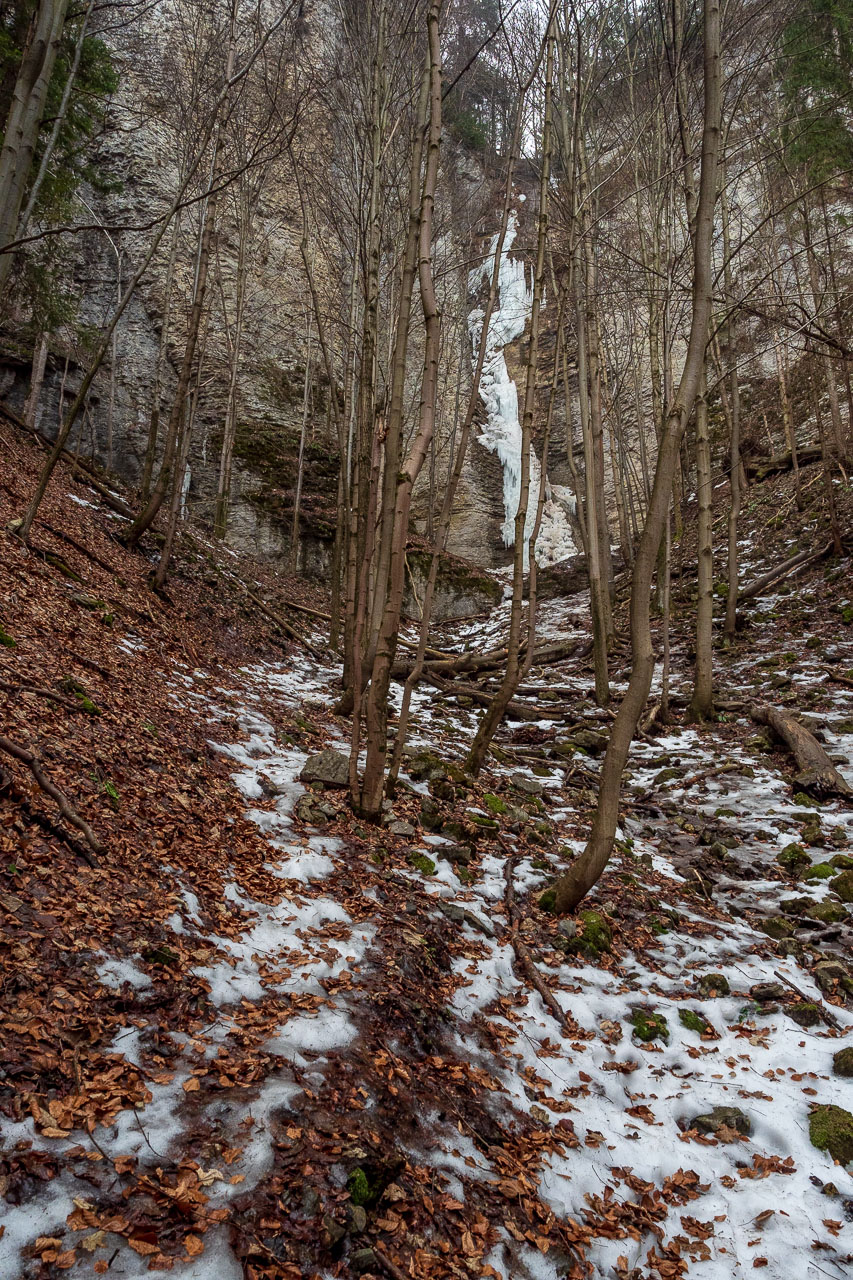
492,659
784,570
817,773
761,468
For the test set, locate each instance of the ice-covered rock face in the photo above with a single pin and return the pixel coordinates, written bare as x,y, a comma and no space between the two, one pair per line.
502,432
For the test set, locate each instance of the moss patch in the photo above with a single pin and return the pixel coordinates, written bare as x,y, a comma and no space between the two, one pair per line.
820,871
694,1021
593,938
422,863
5,639
494,803
649,1026
831,1130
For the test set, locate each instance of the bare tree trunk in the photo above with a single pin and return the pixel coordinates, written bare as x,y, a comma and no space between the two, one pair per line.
297,496
176,415
229,432
732,574
585,871
30,410
26,110
156,390
702,702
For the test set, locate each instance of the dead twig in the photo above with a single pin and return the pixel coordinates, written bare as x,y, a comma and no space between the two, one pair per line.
827,1016
522,954
389,1266
33,764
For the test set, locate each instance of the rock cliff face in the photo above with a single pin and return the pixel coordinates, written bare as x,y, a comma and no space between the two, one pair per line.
280,363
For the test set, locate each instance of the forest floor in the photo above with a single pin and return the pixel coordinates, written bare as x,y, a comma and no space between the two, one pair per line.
252,1037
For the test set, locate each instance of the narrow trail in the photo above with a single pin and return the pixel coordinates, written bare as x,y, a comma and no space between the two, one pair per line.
275,1043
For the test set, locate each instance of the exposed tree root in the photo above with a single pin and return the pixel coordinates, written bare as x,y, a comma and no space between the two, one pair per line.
32,762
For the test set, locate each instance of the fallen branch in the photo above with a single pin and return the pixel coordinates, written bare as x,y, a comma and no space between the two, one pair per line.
816,771
387,1265
828,1017
522,953
31,761
784,570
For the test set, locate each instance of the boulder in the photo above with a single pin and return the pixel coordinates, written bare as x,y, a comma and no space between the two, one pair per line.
843,886
329,767
529,786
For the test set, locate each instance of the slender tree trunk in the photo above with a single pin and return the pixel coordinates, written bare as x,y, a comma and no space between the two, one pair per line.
157,389
585,871
59,120
229,432
30,410
297,496
702,702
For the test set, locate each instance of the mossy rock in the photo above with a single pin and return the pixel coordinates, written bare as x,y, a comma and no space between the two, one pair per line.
694,1021
421,862
842,1062
713,984
828,912
548,901
843,886
806,801
594,936
842,862
793,858
494,803
820,871
666,775
795,906
805,1014
649,1026
481,821
812,832
723,1117
431,817
831,1130
776,927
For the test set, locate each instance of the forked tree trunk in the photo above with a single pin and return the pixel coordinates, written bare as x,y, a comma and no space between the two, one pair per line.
583,874
376,718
